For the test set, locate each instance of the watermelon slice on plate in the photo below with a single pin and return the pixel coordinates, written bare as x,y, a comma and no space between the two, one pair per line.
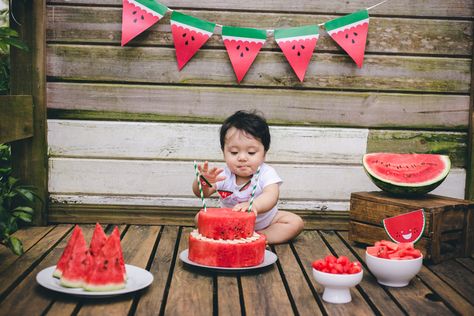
405,228
406,174
77,267
66,255
243,46
297,44
350,32
98,240
122,261
139,15
189,34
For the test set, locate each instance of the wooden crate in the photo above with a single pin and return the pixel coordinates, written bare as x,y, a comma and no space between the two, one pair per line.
449,222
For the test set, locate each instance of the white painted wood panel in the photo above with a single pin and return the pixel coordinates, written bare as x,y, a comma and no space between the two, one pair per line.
135,140
171,179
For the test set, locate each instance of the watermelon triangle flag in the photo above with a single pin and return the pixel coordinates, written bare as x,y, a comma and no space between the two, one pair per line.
243,46
350,32
189,34
298,44
139,15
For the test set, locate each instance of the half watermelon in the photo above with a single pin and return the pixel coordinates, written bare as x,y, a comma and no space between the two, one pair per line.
406,174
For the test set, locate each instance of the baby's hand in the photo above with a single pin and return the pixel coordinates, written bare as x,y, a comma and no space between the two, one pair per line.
212,174
243,207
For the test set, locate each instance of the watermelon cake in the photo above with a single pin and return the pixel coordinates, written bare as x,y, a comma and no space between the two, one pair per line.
225,238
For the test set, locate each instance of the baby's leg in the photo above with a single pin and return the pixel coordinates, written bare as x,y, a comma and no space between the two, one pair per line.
284,227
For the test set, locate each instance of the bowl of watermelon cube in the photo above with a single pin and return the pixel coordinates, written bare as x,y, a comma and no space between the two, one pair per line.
393,264
337,276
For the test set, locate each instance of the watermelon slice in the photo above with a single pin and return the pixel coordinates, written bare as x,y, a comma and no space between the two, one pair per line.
97,241
77,267
66,255
189,34
406,174
106,273
139,15
116,233
224,194
405,228
243,46
298,44
223,223
350,32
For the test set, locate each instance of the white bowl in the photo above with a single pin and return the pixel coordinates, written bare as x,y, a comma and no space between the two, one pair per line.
337,286
394,273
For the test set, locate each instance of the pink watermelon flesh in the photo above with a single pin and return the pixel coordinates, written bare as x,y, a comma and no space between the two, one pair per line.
224,194
298,53
116,233
223,223
134,21
405,228
353,41
77,267
241,55
408,174
106,273
97,241
66,255
186,42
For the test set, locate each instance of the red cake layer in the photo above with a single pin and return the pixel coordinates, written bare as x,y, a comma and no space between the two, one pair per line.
236,253
223,223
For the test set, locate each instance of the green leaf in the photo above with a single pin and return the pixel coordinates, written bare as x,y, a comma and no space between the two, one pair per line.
23,216
25,209
15,245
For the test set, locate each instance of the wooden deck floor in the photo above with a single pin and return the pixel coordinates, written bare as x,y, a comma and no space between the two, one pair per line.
285,288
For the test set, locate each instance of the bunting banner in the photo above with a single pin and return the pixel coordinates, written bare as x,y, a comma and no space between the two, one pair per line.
189,34
350,32
242,45
138,16
298,44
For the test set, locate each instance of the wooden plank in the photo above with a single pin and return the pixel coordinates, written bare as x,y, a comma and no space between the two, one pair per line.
309,247
29,236
457,276
228,297
11,274
382,301
306,303
209,104
102,25
28,77
38,298
19,111
134,253
451,144
328,71
467,263
470,143
448,8
94,176
152,299
102,139
413,298
190,291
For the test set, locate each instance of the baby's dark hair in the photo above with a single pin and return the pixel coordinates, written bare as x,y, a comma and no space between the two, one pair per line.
250,122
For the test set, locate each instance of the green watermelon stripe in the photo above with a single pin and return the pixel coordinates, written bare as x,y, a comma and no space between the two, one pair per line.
243,32
192,28
192,21
346,20
296,31
152,5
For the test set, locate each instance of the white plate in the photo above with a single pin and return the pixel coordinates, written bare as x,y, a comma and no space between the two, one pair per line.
269,259
137,279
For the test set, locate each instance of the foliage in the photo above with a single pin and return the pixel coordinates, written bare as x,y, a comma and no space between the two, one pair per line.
16,203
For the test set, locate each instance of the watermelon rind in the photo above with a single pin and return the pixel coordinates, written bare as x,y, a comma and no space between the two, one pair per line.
347,21
407,189
414,241
192,23
244,34
297,33
150,6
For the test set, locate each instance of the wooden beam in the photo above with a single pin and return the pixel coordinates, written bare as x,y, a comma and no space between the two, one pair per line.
470,143
28,76
18,113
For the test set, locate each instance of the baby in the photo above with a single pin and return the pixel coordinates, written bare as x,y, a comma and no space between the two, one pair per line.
245,140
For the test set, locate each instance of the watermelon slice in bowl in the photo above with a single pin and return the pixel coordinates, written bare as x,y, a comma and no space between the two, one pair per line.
138,16
350,32
406,174
298,44
189,34
243,46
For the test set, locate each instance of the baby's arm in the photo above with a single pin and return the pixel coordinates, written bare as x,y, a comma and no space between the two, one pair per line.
264,202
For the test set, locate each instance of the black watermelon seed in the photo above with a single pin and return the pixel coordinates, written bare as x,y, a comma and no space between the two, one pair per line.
302,46
186,43
192,38
241,54
353,41
355,33
293,47
143,18
134,12
299,54
246,48
134,20
238,47
347,35
184,35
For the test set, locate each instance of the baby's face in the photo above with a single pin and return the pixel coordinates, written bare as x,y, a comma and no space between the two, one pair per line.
243,153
